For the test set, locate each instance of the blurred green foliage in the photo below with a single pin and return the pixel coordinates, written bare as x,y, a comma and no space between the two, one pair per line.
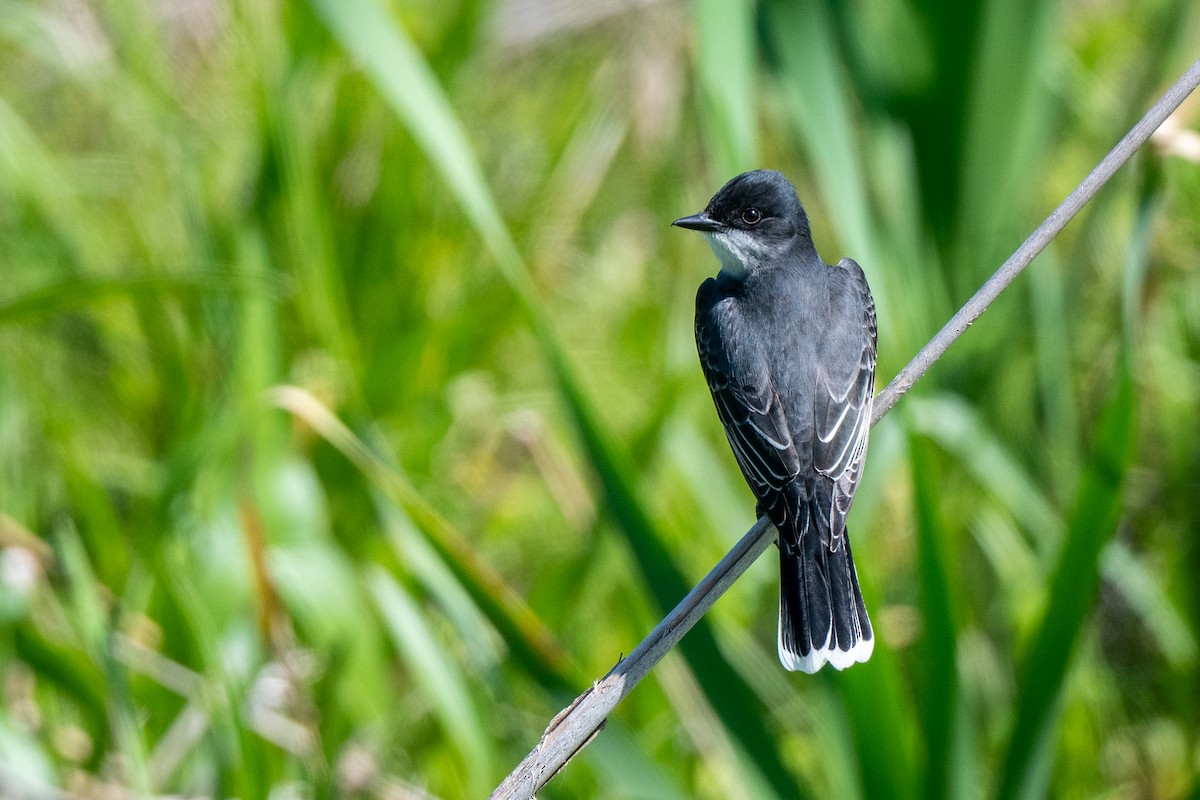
350,420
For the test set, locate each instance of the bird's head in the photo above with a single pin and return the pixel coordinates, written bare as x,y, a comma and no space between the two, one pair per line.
754,220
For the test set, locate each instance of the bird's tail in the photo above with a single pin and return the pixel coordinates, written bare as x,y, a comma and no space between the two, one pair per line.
822,617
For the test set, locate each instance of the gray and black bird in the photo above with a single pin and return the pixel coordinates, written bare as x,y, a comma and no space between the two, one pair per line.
787,343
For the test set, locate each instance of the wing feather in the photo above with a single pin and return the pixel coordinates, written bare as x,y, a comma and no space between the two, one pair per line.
845,396
746,398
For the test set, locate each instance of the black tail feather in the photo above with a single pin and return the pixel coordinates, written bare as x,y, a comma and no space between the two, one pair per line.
822,617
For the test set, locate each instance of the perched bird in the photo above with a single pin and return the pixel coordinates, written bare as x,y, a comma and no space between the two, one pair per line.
787,343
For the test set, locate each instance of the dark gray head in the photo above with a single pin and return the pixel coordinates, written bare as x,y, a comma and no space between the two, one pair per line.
753,221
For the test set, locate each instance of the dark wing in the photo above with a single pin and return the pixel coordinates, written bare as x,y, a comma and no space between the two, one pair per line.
845,395
746,399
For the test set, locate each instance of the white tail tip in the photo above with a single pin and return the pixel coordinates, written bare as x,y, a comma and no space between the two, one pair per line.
820,656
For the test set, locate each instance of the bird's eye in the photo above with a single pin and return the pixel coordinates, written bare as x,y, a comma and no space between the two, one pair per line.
751,216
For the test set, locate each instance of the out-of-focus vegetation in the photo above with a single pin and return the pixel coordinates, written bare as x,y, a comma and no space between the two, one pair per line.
350,420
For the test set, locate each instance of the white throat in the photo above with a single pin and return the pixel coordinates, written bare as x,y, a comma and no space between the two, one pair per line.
739,252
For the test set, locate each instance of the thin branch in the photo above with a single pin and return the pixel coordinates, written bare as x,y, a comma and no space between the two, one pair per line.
575,726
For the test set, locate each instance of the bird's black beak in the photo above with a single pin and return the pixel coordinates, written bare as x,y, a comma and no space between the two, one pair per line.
698,222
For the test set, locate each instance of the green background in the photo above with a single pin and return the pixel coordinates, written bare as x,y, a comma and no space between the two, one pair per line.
351,424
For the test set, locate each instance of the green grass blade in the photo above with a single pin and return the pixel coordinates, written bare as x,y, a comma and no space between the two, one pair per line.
28,169
401,74
1072,590
1007,121
1051,327
884,723
525,633
422,561
940,632
726,63
240,758
306,214
97,631
439,675
1154,608
68,670
955,426
818,96
966,778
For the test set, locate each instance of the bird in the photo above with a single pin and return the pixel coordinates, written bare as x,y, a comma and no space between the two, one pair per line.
787,344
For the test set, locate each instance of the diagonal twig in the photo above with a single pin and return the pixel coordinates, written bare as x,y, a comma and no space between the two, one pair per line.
575,726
